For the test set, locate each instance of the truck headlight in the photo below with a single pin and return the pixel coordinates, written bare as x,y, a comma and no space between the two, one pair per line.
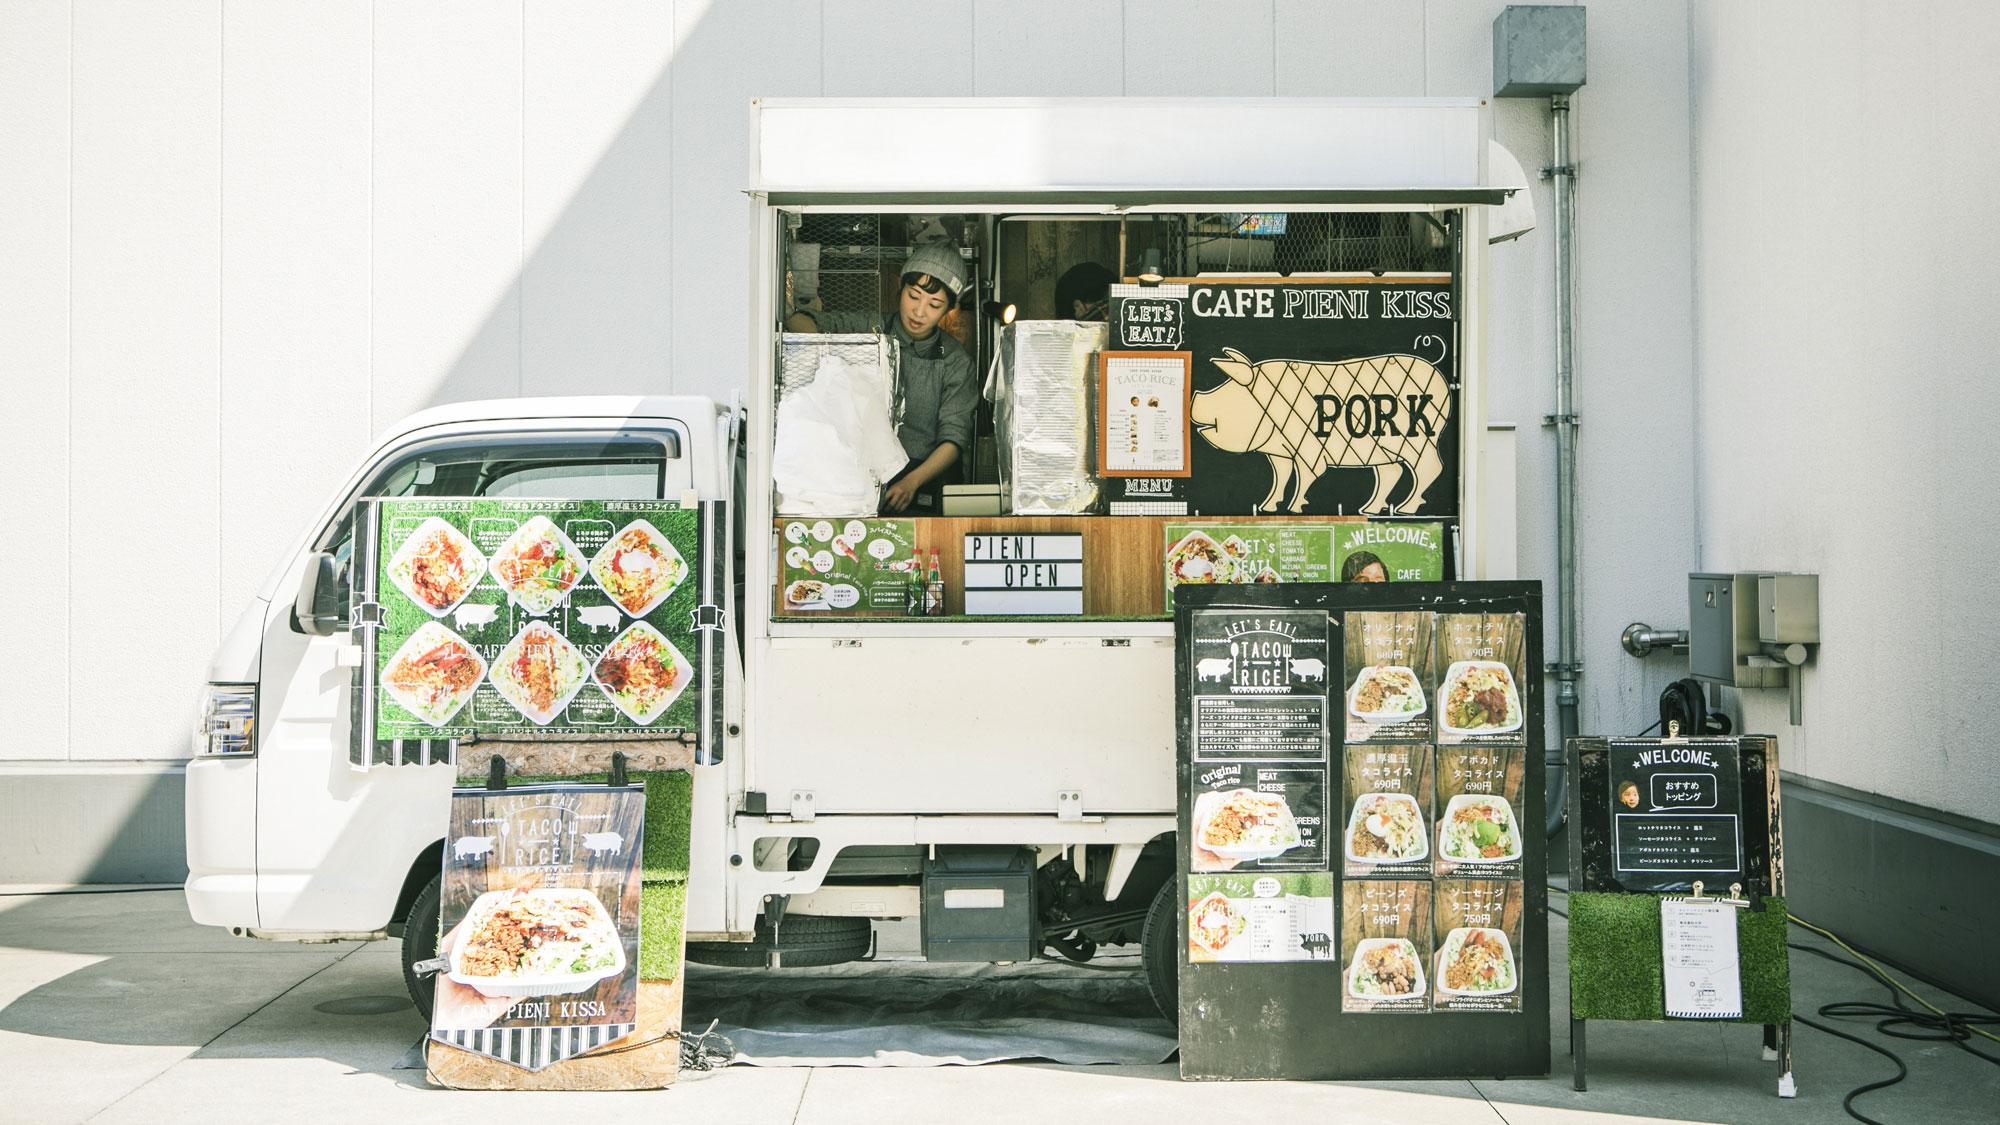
227,722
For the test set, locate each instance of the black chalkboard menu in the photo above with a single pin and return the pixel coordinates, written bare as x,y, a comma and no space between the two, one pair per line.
1660,814
1360,831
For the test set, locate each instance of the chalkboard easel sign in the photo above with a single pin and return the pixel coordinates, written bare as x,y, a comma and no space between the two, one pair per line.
1652,819
1657,814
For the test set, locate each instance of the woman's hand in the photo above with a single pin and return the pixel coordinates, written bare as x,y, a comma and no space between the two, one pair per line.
458,1007
897,497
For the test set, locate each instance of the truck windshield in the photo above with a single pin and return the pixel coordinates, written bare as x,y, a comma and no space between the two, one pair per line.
546,467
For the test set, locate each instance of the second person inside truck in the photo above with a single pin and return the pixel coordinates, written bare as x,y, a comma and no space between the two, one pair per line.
934,374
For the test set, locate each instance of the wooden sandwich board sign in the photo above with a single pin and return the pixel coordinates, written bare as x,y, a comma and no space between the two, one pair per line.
557,864
1667,827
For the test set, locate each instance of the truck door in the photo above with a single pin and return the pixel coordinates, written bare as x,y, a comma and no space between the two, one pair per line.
334,843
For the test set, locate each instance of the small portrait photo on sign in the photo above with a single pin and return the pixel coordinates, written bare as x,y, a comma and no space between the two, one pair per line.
1258,815
1385,936
1480,694
1476,924
1382,551
1389,676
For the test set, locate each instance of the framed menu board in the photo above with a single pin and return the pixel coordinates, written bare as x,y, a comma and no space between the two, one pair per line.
1143,414
1361,848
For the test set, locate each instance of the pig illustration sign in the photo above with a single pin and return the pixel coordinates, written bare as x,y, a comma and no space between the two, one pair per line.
1319,397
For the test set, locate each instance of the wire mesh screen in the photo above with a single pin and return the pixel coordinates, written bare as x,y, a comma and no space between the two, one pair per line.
1298,243
843,262
800,354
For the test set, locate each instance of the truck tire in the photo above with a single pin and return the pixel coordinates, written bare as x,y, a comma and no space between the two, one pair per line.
805,941
420,941
1159,951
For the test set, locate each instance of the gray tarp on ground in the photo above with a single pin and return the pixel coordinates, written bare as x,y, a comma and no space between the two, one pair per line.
913,1013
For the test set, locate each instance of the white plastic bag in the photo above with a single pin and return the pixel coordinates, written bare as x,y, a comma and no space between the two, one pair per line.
835,444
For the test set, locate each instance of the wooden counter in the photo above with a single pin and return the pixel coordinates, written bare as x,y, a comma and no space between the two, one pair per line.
1124,557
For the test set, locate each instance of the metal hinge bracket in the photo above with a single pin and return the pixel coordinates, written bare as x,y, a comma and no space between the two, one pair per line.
802,804
1069,804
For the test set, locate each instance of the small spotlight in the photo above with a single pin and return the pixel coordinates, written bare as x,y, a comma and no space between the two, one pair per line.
1004,313
1149,273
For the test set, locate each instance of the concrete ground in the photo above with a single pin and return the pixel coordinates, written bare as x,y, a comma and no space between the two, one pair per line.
114,1008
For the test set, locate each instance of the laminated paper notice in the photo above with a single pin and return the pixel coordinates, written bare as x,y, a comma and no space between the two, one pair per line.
1698,951
1260,918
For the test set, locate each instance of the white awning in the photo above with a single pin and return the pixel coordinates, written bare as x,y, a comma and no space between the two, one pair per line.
977,153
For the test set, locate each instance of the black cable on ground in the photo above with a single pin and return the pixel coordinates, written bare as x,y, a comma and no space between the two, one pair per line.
1898,1020
1847,1103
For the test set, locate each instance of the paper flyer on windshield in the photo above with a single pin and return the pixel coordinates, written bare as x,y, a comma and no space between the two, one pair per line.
539,914
536,617
1260,917
1476,928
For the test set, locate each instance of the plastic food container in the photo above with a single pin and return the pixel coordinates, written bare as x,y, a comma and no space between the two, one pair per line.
552,984
1361,680
1459,668
1355,817
1354,969
1462,800
1457,938
1242,852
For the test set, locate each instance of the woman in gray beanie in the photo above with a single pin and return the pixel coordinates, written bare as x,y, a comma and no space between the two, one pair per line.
934,375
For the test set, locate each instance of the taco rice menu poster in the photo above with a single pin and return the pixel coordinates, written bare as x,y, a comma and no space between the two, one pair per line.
568,617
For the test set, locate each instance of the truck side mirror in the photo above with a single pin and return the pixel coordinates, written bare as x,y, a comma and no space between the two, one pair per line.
320,608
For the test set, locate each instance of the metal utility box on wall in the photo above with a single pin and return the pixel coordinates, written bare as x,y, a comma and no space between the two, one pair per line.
1722,632
1538,50
979,904
1788,609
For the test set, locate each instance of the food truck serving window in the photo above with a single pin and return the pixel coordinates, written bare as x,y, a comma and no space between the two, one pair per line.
1156,398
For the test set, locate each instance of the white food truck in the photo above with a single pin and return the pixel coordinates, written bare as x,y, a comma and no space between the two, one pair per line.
863,765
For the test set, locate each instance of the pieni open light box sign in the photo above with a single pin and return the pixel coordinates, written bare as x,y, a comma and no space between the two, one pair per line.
1024,575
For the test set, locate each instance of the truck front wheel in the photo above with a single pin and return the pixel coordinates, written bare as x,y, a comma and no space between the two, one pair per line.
420,942
1160,949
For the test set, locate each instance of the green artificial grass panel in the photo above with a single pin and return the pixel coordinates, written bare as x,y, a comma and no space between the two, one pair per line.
662,916
1614,959
663,865
669,809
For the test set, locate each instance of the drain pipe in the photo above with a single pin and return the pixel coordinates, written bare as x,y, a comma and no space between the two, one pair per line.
1567,669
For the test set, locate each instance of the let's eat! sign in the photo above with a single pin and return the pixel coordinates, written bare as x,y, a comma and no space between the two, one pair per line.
1024,575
